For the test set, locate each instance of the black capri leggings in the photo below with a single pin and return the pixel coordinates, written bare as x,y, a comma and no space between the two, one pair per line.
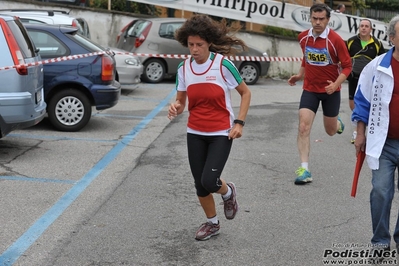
207,156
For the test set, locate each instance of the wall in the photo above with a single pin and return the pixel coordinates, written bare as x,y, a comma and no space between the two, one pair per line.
105,26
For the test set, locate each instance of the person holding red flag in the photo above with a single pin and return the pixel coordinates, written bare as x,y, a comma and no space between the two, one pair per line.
376,113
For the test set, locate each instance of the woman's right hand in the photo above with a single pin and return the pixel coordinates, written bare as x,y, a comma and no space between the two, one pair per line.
173,107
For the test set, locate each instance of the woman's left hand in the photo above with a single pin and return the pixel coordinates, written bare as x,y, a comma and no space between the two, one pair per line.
236,132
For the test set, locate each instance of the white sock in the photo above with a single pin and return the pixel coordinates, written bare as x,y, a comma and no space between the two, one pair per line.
228,194
305,165
213,220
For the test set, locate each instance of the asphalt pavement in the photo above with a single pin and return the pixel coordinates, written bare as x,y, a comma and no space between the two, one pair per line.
147,213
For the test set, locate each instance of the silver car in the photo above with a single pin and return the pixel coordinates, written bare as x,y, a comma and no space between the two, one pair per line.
41,16
128,67
21,77
155,36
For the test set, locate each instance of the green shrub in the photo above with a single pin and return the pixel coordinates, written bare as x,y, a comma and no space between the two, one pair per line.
127,6
383,4
280,31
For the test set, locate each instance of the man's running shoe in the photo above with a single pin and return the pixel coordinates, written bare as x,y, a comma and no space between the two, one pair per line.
207,230
354,134
341,126
231,205
304,176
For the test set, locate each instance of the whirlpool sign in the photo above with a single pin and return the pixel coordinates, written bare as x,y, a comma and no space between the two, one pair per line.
301,16
271,13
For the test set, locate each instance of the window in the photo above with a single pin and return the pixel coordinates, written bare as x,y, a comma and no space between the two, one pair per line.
49,46
137,28
22,39
87,43
167,30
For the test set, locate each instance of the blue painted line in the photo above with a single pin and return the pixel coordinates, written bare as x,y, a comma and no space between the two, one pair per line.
34,179
11,255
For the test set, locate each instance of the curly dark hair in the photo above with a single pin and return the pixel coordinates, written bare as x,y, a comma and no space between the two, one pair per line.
218,34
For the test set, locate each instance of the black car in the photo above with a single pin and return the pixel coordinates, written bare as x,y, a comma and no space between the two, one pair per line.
75,84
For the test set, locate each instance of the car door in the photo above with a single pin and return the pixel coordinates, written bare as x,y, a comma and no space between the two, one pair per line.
133,32
85,27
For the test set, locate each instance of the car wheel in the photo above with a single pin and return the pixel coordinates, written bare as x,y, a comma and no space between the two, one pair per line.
69,110
249,72
154,71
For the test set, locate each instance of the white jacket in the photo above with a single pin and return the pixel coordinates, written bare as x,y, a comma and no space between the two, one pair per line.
372,98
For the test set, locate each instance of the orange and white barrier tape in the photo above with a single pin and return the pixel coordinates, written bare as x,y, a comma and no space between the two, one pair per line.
233,58
177,56
53,60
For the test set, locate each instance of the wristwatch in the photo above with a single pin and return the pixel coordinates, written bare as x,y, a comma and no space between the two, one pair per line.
238,121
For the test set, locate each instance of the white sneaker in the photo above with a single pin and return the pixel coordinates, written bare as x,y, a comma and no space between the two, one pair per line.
354,134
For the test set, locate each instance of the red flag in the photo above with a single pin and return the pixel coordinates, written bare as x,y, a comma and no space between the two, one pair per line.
359,162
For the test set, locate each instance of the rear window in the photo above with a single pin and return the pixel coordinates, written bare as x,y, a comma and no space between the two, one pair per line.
167,30
87,43
138,27
22,38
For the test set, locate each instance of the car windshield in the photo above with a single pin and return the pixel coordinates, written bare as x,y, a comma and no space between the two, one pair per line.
138,28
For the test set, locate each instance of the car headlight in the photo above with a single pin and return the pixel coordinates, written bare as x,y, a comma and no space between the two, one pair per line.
132,61
265,54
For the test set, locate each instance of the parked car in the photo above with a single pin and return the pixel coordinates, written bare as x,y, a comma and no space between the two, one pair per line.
44,16
73,86
21,98
156,36
128,67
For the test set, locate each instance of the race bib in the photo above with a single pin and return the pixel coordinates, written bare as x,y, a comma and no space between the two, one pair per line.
317,57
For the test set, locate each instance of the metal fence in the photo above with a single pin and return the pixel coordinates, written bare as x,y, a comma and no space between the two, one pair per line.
382,15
